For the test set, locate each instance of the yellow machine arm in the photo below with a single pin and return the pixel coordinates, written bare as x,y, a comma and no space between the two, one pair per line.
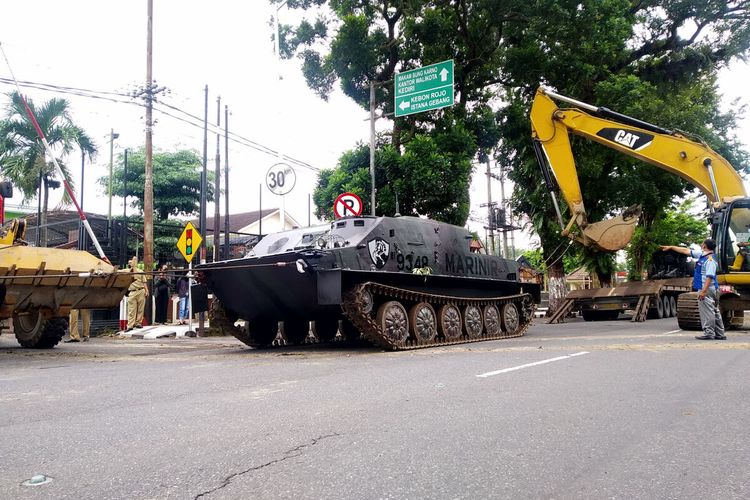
693,161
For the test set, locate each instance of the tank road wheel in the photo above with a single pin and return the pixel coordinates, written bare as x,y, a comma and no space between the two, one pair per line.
33,331
449,321
393,321
673,306
367,301
422,322
491,319
510,318
473,321
295,331
325,328
261,332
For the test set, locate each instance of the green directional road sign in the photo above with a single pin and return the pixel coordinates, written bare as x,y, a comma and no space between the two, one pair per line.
423,89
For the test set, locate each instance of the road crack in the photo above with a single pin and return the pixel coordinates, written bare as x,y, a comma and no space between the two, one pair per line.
291,453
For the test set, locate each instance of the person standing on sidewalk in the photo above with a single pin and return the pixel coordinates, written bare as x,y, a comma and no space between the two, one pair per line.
161,294
183,290
73,322
705,283
137,294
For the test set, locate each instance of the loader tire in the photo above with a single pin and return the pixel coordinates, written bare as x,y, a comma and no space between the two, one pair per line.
34,332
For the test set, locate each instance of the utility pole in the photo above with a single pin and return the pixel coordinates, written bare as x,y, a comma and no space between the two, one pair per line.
490,209
112,137
148,195
124,243
502,208
204,173
217,184
204,189
372,148
226,181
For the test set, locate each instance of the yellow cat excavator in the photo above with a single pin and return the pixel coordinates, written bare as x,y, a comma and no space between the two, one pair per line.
670,150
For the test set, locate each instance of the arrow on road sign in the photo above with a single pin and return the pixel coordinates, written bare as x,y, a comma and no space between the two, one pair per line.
404,104
444,75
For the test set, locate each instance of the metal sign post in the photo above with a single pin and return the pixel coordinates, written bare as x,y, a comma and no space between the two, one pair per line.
187,243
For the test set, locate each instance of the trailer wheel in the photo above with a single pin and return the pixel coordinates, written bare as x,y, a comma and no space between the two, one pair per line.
35,332
667,307
673,306
591,315
657,311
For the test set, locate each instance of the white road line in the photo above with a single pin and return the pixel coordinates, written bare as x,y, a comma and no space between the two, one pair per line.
506,370
673,331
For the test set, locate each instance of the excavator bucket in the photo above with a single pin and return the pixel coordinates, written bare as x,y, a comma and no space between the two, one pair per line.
613,234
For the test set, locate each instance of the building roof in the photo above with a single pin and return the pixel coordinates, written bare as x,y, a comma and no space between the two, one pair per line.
237,221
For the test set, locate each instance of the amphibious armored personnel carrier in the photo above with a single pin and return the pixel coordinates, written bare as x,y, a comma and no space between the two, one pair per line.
399,283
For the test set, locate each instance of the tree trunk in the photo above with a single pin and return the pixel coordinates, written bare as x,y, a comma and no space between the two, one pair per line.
557,289
43,218
605,279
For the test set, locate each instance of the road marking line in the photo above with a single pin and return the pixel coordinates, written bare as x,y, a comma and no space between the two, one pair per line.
528,365
673,331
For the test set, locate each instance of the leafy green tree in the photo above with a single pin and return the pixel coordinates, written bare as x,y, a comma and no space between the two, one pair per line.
368,41
176,181
656,61
23,158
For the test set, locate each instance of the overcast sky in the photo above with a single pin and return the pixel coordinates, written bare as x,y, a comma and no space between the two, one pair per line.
225,44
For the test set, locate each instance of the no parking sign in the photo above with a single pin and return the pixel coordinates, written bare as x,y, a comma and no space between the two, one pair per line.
347,204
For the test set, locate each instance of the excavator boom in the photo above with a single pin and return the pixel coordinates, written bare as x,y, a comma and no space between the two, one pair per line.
692,160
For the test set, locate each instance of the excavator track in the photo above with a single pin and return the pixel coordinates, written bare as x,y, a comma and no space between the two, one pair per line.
360,304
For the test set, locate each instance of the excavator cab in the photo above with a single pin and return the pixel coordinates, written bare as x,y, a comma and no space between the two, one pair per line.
732,230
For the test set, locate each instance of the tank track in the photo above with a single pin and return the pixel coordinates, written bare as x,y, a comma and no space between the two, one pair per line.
356,307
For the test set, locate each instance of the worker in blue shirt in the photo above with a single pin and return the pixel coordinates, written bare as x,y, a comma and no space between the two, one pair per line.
705,283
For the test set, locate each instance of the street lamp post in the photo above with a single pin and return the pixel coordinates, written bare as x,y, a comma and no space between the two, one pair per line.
277,49
112,137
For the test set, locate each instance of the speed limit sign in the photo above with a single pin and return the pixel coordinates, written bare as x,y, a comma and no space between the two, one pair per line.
281,178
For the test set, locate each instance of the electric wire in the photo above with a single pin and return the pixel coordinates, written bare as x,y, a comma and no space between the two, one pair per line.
123,98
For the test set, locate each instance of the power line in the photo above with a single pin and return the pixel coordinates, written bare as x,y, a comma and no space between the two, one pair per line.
122,98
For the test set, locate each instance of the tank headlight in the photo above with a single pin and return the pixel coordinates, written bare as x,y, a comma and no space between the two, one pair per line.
301,266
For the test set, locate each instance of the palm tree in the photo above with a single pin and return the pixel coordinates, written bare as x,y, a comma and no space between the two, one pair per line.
23,158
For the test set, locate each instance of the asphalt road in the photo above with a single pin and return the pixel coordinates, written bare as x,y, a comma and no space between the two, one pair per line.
580,410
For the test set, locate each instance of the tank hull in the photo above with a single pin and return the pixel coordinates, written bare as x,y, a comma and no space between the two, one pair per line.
372,273
274,287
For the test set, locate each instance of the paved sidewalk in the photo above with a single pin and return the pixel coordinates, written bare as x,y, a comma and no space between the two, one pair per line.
161,331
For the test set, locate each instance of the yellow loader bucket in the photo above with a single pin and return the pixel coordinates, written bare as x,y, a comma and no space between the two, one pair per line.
56,280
